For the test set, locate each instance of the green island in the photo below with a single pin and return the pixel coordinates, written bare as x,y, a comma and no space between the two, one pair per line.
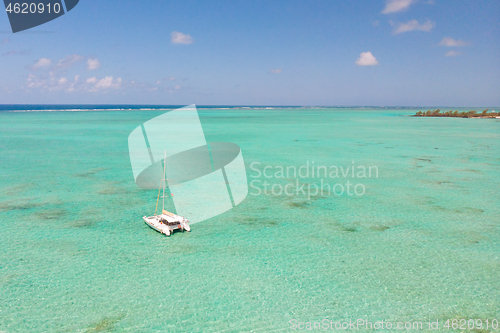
451,113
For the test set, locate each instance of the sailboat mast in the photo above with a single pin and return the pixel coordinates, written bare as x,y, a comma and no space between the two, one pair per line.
164,180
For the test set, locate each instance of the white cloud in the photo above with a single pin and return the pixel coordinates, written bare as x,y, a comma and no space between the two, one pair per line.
413,25
375,23
105,83
453,53
450,42
108,82
72,87
46,83
52,83
366,59
276,71
180,38
93,84
60,68
393,6
34,82
93,64
69,61
42,62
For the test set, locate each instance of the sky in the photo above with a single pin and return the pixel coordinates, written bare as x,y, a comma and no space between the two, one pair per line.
310,53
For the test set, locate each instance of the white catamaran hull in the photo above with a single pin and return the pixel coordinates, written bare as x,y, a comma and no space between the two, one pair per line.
155,224
167,223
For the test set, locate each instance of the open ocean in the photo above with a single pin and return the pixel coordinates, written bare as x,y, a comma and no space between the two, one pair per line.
420,244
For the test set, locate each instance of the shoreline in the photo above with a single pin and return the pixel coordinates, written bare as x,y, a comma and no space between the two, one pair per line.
455,114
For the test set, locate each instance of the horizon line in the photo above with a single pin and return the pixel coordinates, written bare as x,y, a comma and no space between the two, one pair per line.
252,105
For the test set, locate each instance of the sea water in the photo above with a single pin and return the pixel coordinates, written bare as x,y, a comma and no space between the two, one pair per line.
417,241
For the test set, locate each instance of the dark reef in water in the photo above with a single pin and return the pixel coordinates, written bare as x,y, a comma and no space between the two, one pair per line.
52,214
17,189
302,204
257,221
105,324
18,205
379,227
90,172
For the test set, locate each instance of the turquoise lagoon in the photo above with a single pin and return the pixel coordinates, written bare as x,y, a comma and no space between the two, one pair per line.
421,244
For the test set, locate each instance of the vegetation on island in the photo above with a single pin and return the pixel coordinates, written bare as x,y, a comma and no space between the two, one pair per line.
451,113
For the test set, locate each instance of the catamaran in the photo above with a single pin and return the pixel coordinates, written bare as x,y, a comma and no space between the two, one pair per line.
166,222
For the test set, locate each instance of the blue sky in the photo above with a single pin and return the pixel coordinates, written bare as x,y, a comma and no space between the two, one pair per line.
378,53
